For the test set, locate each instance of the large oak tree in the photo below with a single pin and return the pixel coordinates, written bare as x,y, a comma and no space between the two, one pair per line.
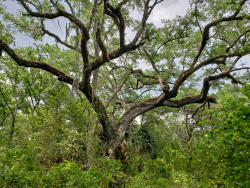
210,39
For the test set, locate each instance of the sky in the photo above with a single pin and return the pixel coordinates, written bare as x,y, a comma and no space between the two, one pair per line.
168,9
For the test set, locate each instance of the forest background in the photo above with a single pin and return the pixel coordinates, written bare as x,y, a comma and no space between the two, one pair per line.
118,94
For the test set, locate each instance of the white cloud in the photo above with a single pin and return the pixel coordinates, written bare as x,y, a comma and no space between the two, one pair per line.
168,10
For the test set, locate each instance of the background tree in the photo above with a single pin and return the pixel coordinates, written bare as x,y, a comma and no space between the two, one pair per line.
224,148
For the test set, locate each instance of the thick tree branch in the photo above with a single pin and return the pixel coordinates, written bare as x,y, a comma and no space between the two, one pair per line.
113,55
185,75
205,36
117,16
41,65
102,46
139,108
100,110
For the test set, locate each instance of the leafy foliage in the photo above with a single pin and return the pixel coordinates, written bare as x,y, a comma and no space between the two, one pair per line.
223,152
